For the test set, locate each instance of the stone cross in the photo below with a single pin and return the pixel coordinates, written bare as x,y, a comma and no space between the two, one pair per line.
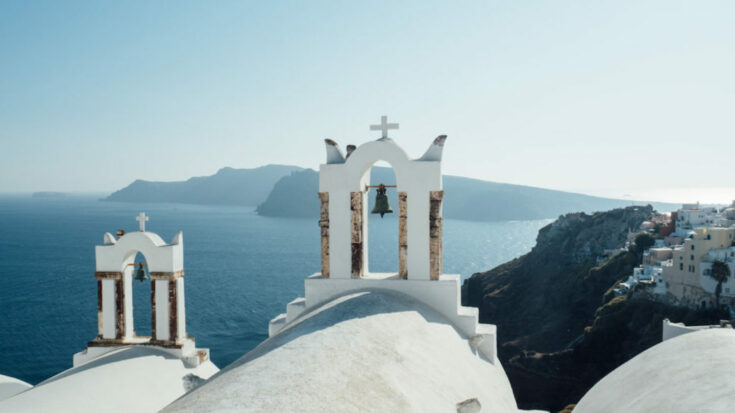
141,218
384,126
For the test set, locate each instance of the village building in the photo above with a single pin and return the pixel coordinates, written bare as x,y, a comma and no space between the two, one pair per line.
685,275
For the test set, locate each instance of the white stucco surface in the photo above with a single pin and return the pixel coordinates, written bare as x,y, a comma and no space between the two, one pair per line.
442,295
364,352
693,372
10,386
158,255
130,379
109,323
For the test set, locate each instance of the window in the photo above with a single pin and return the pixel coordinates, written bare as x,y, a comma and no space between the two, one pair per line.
692,247
681,266
692,257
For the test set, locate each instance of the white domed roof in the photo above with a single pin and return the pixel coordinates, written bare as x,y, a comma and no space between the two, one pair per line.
131,379
694,372
10,386
365,352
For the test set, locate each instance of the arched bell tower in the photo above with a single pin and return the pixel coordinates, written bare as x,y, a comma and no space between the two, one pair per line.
114,274
343,187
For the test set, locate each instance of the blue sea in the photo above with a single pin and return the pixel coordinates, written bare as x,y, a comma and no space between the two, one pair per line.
241,271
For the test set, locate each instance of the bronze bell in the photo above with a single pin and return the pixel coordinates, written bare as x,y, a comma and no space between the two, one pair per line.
381,203
140,275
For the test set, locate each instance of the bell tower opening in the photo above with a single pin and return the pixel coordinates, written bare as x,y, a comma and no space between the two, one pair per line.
382,231
141,295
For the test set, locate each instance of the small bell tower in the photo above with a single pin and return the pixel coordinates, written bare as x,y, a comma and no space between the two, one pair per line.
115,273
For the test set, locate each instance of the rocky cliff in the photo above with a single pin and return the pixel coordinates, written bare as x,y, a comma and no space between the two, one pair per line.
558,330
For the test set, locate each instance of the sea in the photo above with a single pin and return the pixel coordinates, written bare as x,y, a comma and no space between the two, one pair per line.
241,271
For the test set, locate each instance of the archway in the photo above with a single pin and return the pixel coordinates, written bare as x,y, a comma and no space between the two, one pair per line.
160,304
382,232
141,299
344,222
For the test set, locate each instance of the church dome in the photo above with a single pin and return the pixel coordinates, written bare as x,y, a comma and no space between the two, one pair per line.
689,373
10,386
363,352
130,379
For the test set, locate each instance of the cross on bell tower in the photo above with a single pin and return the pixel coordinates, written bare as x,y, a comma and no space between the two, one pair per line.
141,218
384,126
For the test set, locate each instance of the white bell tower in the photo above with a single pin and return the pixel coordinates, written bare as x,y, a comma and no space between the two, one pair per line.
344,184
114,273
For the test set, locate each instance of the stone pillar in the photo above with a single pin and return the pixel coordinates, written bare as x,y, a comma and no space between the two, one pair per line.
402,235
153,309
168,312
435,233
324,224
120,308
100,329
356,231
110,305
173,322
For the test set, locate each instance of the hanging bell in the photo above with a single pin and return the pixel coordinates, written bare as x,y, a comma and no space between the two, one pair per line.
140,274
381,203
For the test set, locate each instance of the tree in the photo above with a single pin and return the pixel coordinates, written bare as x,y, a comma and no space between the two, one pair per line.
720,273
643,242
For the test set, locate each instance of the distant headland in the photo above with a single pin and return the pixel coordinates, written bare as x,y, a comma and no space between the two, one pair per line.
288,191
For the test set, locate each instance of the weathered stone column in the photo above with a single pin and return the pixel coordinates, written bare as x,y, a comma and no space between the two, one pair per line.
402,235
120,308
173,315
324,224
435,233
100,330
110,305
153,309
356,230
165,315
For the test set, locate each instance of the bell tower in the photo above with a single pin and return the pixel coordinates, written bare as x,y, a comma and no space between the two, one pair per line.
344,189
115,267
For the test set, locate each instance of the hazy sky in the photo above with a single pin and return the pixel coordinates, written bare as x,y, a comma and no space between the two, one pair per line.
609,98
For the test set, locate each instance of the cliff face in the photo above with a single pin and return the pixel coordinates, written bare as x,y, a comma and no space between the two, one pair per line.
302,185
544,299
558,330
246,187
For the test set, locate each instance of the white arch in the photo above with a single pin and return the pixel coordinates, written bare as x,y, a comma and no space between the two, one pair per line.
363,158
161,257
417,178
115,275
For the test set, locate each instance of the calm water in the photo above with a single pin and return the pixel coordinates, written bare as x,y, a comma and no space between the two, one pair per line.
241,270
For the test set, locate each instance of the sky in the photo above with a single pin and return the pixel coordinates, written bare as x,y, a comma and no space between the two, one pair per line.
627,99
